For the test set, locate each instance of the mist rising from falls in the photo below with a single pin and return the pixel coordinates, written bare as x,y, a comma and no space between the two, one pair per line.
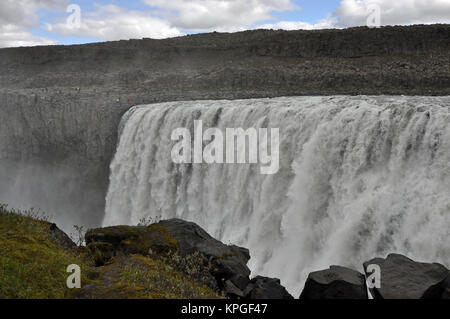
359,177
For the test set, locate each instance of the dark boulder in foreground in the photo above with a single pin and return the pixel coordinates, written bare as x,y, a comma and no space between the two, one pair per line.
227,264
266,288
446,289
229,261
335,283
404,278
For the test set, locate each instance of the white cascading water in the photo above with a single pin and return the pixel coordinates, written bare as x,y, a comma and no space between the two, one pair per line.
359,177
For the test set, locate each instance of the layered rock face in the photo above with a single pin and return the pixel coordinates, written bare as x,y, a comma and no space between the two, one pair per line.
60,106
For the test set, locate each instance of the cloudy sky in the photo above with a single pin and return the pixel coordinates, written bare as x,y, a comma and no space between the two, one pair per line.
43,22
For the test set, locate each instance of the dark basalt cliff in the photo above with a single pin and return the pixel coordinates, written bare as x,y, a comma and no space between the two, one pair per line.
60,105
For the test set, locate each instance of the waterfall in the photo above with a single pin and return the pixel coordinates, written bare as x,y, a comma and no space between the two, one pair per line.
358,177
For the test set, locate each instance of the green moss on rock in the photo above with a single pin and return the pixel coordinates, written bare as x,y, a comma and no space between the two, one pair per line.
104,243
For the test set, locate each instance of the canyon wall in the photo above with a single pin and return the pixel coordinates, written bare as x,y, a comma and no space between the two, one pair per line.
60,105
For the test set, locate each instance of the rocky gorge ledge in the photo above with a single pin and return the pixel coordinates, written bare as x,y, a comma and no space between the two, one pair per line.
178,259
224,267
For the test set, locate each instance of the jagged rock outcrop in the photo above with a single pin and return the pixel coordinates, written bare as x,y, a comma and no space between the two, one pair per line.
227,264
404,278
335,283
266,288
60,105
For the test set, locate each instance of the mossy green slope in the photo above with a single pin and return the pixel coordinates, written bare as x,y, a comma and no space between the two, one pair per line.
139,277
31,264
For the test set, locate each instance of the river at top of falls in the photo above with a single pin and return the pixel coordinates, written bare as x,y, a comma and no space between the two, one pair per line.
359,177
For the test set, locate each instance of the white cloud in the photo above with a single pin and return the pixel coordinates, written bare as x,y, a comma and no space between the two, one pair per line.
112,22
168,18
296,25
23,12
398,12
17,17
218,15
352,13
14,36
